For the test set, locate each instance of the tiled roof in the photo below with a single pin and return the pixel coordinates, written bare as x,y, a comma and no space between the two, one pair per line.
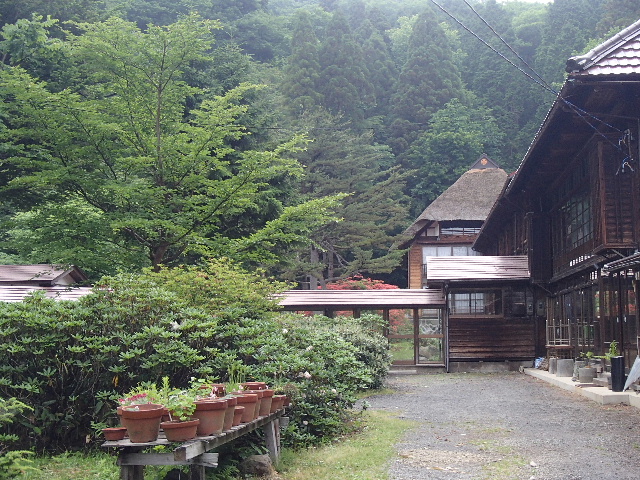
478,268
18,293
373,299
619,55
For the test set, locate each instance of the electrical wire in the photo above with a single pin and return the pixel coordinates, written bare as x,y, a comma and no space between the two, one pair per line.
583,114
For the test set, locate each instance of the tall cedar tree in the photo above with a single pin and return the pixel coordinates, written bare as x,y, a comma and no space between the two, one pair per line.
343,160
383,73
428,80
500,85
300,84
344,77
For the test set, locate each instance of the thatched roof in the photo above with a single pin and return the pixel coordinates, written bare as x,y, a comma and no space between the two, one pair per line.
469,198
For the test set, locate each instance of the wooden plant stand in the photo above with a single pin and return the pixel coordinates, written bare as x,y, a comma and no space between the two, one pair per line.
195,453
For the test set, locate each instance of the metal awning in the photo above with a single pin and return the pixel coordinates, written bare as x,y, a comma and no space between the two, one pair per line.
361,299
632,261
440,270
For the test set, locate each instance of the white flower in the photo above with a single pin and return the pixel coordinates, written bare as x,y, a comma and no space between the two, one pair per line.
309,348
306,375
305,422
175,325
285,331
333,390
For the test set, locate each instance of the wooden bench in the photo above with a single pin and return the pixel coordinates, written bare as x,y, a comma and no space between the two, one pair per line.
132,459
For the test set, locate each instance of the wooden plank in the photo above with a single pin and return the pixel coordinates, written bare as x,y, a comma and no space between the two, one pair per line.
200,445
127,459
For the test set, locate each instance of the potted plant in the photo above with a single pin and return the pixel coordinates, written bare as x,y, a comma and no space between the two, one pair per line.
181,406
586,372
140,415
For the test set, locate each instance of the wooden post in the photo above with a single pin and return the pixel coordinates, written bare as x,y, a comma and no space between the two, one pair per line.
132,472
197,472
272,437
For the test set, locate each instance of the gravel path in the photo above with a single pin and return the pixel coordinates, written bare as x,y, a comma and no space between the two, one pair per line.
508,426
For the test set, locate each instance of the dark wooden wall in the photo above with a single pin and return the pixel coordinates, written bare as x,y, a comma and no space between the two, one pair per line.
491,339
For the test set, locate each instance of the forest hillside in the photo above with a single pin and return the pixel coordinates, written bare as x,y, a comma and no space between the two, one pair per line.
300,137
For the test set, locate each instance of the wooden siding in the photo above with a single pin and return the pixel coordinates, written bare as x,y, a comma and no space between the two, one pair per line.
491,339
618,200
415,266
540,235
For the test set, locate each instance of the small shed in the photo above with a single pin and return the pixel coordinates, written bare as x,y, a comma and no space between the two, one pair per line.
60,282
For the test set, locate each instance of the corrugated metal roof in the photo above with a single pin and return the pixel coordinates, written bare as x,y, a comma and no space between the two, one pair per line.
18,293
362,299
479,268
40,274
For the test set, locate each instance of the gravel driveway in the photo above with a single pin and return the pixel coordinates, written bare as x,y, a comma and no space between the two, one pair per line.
507,426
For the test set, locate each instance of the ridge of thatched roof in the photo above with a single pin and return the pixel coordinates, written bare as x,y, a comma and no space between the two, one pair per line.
471,197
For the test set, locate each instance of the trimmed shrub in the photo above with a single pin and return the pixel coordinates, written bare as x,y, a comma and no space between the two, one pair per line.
70,361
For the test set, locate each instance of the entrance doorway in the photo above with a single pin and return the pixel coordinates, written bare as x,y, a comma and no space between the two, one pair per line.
417,336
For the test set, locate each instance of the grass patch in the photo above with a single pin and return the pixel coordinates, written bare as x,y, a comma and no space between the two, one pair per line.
364,456
72,466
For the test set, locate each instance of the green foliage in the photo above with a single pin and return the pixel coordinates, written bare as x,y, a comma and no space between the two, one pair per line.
457,136
163,182
12,462
72,360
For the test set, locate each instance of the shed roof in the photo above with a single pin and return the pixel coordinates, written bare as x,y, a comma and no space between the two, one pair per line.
469,198
361,299
476,269
19,293
40,274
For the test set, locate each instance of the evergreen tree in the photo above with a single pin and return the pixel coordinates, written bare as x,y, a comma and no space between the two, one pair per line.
428,80
340,160
456,137
383,72
344,77
301,75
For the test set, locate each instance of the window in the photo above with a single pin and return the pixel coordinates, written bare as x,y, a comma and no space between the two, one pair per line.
448,251
481,302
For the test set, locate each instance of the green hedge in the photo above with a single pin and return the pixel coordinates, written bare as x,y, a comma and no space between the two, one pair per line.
71,360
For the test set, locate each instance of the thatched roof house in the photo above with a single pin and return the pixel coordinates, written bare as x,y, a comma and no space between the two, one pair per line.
449,225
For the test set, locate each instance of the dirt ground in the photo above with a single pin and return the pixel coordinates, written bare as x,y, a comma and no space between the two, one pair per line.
507,426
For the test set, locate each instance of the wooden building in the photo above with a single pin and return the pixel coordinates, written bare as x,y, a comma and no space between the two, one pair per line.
573,207
450,224
55,281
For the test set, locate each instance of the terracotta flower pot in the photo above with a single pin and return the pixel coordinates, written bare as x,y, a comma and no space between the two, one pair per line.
277,402
237,415
178,431
265,403
248,401
114,434
254,385
211,414
260,394
142,422
228,415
